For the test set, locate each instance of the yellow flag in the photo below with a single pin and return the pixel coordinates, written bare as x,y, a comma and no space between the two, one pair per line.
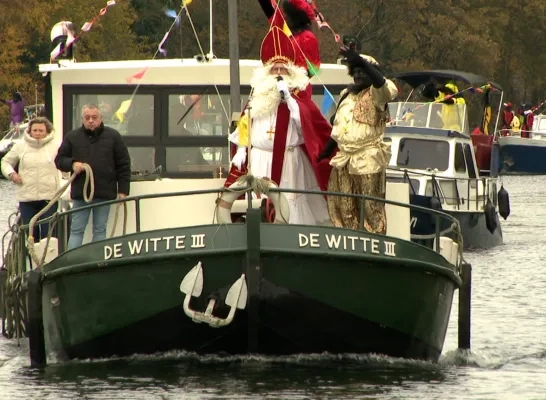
186,2
242,126
123,108
285,29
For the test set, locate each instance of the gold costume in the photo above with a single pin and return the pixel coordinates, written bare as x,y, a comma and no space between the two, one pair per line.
360,164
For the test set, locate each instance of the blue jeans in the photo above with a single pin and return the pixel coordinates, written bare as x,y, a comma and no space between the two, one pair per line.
81,218
29,209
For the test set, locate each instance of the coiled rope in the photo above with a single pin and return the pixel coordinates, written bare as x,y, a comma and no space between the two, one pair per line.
89,184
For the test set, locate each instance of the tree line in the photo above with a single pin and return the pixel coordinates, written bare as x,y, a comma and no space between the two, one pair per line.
503,40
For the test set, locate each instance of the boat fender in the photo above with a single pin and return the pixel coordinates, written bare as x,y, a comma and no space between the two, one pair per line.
490,216
504,202
435,203
225,203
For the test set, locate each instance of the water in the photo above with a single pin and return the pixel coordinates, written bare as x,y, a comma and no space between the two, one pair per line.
508,358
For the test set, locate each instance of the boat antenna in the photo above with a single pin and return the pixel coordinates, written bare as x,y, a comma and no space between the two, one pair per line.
234,78
180,32
36,99
211,54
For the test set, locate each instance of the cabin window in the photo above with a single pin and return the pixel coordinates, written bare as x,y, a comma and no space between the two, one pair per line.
206,160
469,161
449,191
423,154
129,115
181,130
142,159
460,165
446,191
200,114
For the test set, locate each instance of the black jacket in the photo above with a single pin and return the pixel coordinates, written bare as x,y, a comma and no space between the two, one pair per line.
104,150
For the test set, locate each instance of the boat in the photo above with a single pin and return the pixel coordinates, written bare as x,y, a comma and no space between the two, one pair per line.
12,136
525,156
173,276
448,169
15,134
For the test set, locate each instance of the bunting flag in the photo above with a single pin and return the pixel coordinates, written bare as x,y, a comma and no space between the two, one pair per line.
536,109
327,101
312,69
160,48
286,29
138,76
85,28
122,110
172,14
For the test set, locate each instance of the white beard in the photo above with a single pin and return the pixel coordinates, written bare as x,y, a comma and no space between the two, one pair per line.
265,96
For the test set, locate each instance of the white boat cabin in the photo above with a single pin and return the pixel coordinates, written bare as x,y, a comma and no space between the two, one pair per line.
539,127
175,116
437,162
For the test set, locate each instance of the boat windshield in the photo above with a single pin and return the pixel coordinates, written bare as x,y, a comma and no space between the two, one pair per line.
429,115
540,124
15,134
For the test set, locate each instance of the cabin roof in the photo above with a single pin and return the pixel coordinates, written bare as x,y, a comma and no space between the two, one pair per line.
417,78
409,130
182,71
150,63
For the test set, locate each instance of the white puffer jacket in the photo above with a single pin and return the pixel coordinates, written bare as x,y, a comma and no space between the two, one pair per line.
37,170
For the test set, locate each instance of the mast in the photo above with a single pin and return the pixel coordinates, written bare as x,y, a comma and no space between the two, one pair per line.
234,78
211,54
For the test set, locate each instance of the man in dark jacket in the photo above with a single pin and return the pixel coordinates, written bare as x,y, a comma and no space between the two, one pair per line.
103,149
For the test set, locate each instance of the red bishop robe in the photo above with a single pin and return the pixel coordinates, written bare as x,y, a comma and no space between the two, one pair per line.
316,132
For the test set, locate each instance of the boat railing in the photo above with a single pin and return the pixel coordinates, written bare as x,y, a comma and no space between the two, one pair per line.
459,200
60,219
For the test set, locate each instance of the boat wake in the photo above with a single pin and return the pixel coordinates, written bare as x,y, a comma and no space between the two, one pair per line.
466,358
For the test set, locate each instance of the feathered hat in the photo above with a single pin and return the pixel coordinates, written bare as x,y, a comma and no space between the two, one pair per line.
277,47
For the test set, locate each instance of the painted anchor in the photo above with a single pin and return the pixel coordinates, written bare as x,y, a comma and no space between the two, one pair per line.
192,285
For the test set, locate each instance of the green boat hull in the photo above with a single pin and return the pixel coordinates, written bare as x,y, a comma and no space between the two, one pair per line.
310,290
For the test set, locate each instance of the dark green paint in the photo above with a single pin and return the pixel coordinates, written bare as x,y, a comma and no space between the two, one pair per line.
411,292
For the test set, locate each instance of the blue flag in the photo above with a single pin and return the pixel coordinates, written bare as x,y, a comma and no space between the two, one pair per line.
327,101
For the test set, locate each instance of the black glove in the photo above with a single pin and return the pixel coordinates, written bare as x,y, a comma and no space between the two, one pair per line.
354,60
352,57
328,150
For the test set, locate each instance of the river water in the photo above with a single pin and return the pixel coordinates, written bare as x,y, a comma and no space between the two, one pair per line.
507,360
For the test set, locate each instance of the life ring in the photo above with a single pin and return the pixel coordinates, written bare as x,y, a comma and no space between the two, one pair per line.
225,203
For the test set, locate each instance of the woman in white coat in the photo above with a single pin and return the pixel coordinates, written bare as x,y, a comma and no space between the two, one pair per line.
37,178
